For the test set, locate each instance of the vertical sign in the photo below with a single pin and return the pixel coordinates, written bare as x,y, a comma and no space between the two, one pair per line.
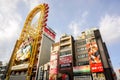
93,53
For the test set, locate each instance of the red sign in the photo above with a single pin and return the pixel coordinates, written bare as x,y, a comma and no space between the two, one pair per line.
96,67
66,59
49,33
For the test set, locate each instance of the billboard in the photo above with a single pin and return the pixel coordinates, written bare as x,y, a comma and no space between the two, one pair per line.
81,69
66,59
94,57
49,33
25,50
23,54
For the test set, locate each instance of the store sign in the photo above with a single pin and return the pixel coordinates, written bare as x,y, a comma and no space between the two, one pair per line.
49,33
65,65
21,66
66,59
97,67
81,69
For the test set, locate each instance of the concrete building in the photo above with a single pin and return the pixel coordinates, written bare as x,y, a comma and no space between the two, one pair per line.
3,70
66,56
81,69
92,58
48,38
85,58
53,71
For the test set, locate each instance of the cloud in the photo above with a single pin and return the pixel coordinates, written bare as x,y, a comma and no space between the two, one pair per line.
10,27
110,28
75,26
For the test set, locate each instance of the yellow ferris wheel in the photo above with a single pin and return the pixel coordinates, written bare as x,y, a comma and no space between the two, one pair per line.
24,54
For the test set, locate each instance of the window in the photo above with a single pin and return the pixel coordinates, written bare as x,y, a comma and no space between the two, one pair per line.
82,55
83,63
81,49
65,53
65,47
81,43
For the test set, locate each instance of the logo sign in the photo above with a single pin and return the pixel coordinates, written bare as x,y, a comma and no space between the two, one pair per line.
66,59
50,33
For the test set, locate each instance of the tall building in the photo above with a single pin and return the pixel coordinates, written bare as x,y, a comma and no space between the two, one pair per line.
48,38
81,69
66,56
53,70
85,58
92,58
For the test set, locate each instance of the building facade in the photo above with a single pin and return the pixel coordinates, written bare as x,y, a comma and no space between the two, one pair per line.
92,58
53,70
85,58
81,69
48,38
66,56
3,71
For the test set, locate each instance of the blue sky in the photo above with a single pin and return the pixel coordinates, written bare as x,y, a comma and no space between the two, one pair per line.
65,16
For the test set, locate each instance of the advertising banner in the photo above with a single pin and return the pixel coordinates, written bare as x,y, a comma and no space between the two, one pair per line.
81,69
94,57
49,33
66,59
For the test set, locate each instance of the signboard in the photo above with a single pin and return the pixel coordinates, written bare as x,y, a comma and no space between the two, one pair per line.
65,65
81,69
53,57
97,67
98,76
25,50
21,66
94,57
23,54
66,59
49,33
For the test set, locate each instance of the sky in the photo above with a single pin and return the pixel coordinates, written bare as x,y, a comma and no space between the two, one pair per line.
65,16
